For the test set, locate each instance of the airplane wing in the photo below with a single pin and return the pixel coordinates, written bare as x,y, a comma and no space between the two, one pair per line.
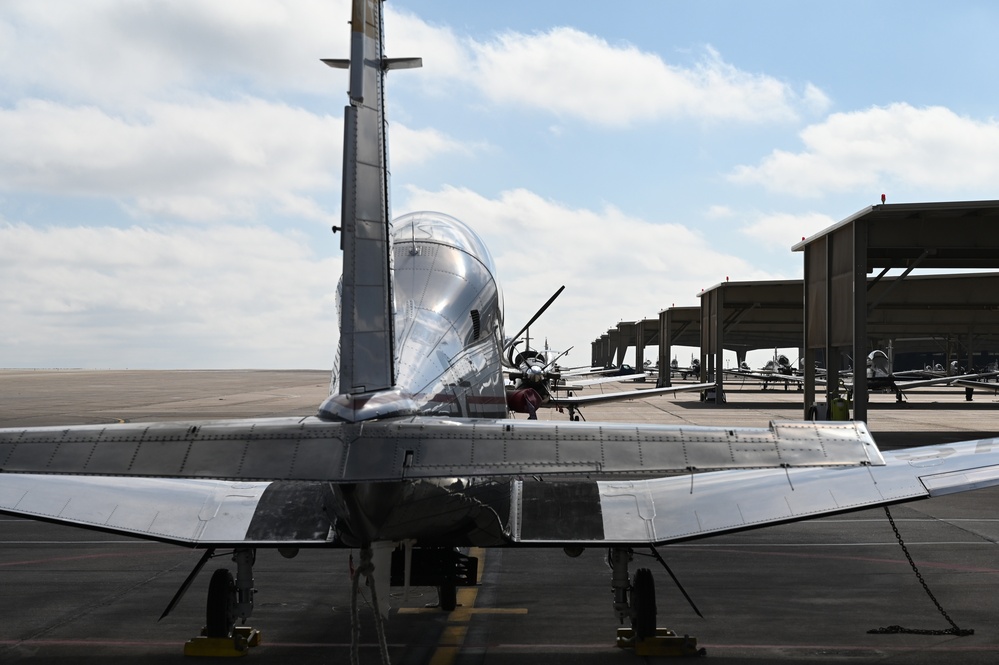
584,400
182,511
673,509
268,482
977,385
767,377
941,380
581,371
606,379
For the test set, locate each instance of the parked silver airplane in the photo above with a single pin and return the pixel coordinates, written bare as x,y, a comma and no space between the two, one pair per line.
777,371
538,380
412,445
880,376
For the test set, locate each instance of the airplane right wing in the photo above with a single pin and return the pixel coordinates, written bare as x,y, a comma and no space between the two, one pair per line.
977,385
663,510
942,380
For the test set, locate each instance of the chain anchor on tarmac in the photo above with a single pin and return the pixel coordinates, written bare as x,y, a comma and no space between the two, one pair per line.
896,629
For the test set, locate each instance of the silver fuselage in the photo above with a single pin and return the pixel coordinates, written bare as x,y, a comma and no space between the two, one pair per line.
448,341
448,328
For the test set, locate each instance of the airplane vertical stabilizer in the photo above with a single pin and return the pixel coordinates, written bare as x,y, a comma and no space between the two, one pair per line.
367,339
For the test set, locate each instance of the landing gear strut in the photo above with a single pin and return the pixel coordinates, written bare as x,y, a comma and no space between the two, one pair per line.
635,600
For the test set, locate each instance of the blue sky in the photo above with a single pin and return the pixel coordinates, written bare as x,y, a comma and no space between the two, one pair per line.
170,168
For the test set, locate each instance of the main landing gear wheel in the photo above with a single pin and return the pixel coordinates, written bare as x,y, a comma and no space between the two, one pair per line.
447,595
220,615
643,604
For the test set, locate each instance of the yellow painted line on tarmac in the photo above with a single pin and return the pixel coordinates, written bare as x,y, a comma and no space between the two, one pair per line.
474,610
453,636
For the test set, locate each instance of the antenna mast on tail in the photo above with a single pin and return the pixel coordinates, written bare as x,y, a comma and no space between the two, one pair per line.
367,337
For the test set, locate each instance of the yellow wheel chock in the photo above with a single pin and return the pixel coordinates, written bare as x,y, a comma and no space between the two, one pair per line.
666,643
239,644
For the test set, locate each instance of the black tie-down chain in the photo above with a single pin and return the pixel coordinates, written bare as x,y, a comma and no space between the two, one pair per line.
953,630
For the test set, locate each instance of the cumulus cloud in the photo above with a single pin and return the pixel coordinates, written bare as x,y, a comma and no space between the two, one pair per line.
575,74
615,266
169,109
204,296
209,159
204,160
117,53
922,148
780,231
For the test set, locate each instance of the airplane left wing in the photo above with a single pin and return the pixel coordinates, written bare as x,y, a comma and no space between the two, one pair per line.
182,511
604,398
608,379
770,377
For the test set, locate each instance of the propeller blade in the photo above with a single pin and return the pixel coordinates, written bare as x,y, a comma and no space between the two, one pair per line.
535,317
557,357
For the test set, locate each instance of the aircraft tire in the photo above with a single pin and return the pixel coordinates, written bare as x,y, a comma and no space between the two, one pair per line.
220,613
447,595
643,604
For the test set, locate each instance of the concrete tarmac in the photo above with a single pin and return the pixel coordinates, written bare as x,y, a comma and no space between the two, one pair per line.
800,593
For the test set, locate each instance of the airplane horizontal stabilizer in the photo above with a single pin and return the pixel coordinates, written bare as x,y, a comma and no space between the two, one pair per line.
309,449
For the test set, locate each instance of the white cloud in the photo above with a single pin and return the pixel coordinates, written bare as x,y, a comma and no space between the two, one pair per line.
115,53
614,266
208,160
572,73
719,212
445,55
923,149
192,297
780,231
415,146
